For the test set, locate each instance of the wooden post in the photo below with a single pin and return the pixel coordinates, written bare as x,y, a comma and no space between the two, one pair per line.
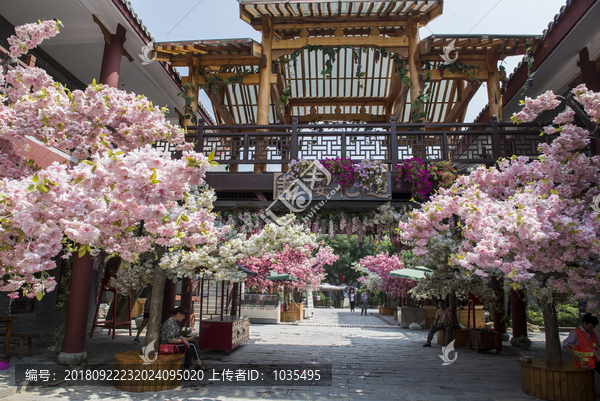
186,299
264,86
111,59
498,308
170,290
77,309
518,312
414,57
493,86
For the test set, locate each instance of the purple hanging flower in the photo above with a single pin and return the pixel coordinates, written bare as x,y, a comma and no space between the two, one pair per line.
294,63
377,56
516,47
530,82
355,58
233,88
442,72
472,85
358,70
421,80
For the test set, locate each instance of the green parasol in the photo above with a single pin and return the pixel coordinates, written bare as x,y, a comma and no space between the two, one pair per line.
281,277
416,274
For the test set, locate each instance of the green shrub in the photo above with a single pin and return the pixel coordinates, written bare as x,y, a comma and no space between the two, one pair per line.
567,315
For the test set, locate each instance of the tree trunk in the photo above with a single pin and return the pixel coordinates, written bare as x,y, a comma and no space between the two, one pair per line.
123,306
156,304
453,304
553,348
234,300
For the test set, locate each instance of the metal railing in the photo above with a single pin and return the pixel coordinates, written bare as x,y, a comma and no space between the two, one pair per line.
392,142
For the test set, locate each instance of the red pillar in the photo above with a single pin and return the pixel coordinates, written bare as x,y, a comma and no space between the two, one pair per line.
111,59
497,311
168,299
186,298
77,310
519,316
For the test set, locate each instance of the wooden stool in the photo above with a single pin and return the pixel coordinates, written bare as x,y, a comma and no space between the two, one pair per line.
21,343
460,335
131,360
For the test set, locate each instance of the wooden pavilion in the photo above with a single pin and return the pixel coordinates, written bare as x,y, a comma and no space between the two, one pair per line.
289,26
341,62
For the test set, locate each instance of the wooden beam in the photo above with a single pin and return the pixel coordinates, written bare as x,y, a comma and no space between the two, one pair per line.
218,102
459,108
264,87
414,59
338,101
192,91
436,75
337,41
368,118
329,25
334,20
180,60
249,79
493,86
400,102
394,89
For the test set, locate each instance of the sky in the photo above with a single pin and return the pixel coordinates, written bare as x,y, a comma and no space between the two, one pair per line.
178,20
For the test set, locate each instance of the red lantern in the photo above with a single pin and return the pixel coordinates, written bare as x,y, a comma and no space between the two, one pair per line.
341,278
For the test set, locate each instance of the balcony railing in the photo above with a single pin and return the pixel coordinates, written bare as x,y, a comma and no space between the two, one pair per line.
469,143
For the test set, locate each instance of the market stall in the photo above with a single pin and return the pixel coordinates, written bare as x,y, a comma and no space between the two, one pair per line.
261,308
222,327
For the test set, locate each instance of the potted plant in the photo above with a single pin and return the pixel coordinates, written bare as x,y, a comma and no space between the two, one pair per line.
523,342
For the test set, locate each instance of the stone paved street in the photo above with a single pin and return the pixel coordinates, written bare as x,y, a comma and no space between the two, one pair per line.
377,361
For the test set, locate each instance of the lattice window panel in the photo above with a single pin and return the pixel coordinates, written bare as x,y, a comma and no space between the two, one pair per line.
22,305
269,148
367,147
319,147
471,147
423,147
226,149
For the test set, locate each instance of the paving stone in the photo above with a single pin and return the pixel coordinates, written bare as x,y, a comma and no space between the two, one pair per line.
370,360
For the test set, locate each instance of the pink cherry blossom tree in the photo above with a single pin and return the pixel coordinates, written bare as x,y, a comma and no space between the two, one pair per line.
123,197
531,222
381,265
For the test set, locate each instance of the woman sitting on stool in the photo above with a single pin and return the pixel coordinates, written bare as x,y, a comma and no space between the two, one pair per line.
169,334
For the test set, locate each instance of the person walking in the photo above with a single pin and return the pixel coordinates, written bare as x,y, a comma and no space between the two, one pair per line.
146,317
582,344
364,302
352,298
443,321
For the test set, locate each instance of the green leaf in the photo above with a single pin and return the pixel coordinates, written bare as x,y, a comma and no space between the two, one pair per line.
36,179
77,180
153,178
42,189
30,188
39,295
185,218
94,169
211,156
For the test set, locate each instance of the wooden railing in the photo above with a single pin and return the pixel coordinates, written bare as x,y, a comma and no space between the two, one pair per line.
469,143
